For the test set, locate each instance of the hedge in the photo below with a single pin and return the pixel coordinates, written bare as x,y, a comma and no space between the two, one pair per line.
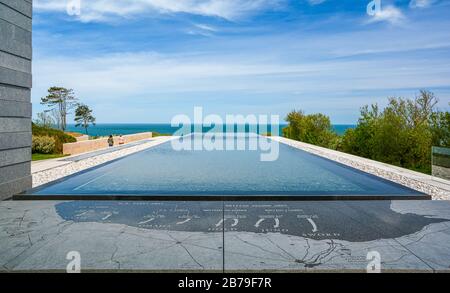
43,145
59,136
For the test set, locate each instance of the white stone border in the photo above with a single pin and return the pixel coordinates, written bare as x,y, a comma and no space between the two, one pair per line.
438,188
69,168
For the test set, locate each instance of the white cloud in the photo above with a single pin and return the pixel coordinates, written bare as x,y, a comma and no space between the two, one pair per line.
119,76
206,27
316,2
103,10
202,30
389,14
137,79
421,3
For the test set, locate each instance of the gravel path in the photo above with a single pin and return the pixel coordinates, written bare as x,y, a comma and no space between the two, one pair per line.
438,188
68,168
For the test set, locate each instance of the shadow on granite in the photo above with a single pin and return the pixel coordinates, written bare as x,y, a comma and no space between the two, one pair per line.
305,236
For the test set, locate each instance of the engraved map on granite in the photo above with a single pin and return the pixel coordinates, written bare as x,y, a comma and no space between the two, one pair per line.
231,236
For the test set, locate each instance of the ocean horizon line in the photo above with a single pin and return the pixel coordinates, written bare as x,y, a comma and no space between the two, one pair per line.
105,129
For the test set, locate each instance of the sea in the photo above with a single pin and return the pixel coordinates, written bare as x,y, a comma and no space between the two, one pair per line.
105,129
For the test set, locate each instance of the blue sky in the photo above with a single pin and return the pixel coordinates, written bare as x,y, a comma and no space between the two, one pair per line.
148,60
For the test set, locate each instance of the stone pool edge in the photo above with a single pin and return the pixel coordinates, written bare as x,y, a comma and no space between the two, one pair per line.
438,188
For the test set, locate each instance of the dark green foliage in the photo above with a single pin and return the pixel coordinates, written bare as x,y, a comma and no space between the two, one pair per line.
402,134
314,129
440,129
59,136
84,117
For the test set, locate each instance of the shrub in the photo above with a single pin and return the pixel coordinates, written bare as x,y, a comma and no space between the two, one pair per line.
401,134
59,136
314,129
440,128
43,144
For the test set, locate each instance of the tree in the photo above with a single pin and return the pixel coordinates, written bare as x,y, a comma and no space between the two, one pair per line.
44,120
440,129
314,129
60,100
84,117
358,140
54,113
402,133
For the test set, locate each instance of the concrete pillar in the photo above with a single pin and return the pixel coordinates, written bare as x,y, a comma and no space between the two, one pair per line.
15,99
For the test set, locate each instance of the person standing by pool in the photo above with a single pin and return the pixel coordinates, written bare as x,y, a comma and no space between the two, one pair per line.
111,141
121,140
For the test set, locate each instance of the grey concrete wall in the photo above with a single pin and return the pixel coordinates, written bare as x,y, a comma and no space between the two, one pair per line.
15,101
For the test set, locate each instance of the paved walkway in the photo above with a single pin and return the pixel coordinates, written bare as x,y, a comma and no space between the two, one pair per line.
50,170
38,166
88,155
246,236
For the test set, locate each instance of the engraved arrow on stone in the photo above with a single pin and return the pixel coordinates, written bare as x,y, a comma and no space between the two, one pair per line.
259,222
220,223
107,216
235,222
82,214
312,224
185,221
277,223
146,221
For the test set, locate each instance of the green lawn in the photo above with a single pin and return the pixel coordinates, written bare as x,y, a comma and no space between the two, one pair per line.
156,134
40,157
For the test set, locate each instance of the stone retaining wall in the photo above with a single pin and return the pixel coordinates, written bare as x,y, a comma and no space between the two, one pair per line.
96,144
82,138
